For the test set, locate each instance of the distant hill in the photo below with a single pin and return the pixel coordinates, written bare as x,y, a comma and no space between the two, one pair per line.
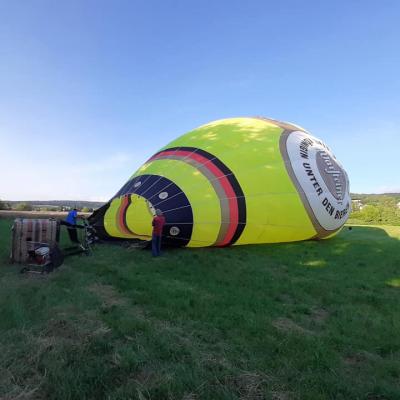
59,203
371,198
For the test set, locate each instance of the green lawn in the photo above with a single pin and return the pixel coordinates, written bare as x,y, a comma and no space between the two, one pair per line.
310,320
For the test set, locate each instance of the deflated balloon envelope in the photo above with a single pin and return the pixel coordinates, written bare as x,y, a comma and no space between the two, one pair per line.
233,181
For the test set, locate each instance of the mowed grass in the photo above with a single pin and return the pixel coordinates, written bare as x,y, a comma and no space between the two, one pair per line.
311,320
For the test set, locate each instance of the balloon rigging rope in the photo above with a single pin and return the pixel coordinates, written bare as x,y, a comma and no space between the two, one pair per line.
228,150
183,159
197,184
207,200
188,156
166,169
163,176
189,186
256,167
239,223
229,198
264,226
142,183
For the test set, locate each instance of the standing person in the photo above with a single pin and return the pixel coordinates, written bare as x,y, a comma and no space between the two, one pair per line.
70,221
158,224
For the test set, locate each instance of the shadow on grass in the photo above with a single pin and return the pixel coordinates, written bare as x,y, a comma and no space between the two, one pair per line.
356,243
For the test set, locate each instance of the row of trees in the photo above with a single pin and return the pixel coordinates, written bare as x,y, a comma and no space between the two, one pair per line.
29,207
378,215
378,209
4,205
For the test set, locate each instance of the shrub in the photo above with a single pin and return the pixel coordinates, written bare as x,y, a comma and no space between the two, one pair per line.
4,205
23,207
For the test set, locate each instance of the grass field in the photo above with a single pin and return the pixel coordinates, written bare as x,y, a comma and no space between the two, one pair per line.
310,320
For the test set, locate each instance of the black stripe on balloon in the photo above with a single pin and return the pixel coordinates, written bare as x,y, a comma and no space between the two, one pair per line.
97,221
240,199
124,189
175,205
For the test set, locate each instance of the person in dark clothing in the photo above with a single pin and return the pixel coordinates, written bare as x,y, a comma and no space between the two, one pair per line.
158,224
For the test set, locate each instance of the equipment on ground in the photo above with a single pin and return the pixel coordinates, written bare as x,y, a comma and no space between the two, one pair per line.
35,244
86,237
43,258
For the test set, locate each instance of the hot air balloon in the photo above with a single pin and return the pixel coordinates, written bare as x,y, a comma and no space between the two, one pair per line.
231,182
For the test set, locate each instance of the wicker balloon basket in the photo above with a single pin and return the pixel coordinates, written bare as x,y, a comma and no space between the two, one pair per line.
35,244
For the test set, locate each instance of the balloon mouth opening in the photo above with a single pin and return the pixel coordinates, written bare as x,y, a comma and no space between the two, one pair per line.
131,215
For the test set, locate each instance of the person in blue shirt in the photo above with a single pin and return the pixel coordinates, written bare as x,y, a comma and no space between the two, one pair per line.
72,216
70,222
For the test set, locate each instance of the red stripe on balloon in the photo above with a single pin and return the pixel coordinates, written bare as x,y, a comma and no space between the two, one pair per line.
122,215
226,185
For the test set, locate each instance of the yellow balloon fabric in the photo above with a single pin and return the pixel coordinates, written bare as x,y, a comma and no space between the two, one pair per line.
234,181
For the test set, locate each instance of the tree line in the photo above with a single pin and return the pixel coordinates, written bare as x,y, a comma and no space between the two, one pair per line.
376,209
28,206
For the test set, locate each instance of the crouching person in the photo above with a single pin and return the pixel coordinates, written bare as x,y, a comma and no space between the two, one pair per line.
158,224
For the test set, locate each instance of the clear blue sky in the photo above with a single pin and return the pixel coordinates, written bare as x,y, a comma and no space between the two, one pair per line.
90,89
